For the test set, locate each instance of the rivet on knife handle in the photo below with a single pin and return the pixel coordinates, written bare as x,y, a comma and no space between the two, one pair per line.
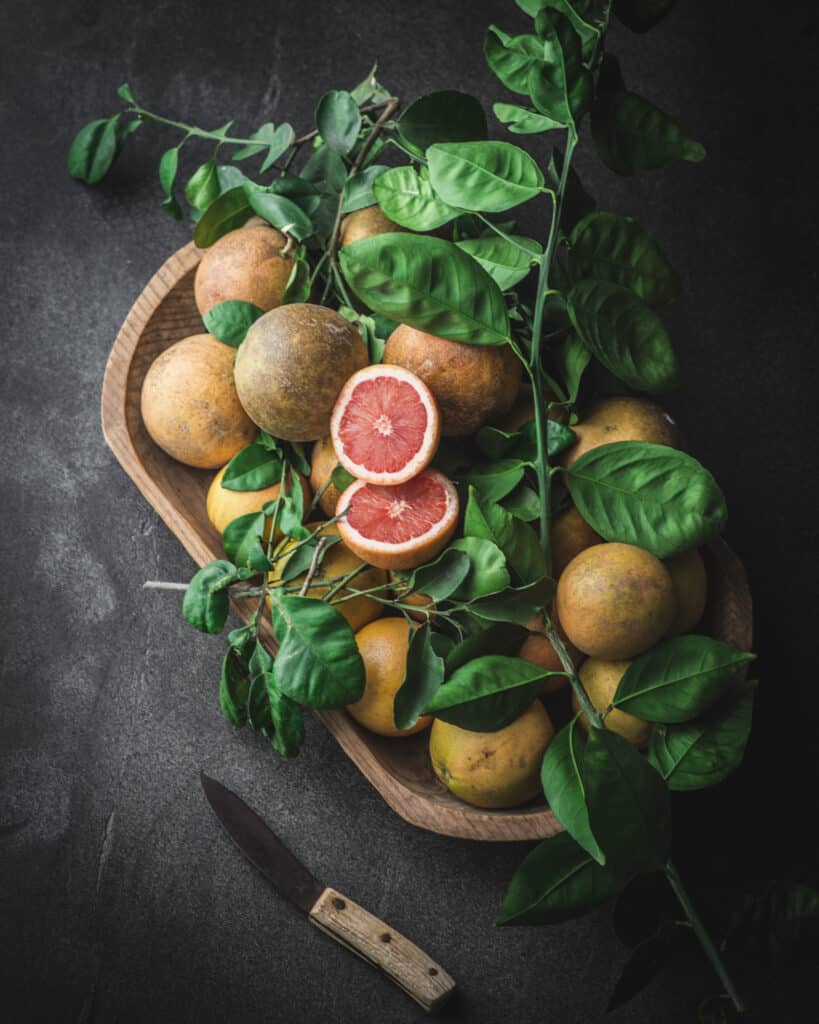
382,946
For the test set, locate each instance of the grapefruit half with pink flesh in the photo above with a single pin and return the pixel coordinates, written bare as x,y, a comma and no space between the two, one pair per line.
401,526
385,425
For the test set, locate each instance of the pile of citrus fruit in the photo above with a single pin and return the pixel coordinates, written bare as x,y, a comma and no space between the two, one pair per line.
302,374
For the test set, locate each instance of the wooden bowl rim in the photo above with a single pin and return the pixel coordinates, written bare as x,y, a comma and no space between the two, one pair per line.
459,821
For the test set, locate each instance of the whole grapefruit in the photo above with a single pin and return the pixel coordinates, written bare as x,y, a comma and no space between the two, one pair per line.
245,264
600,679
623,419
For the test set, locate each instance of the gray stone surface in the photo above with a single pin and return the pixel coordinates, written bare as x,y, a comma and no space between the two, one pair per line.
121,901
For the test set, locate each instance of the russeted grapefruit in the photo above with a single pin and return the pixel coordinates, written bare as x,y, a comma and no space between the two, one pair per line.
623,419
600,679
383,646
570,534
323,460
338,561
472,384
365,223
385,425
245,264
190,406
399,527
291,366
615,601
493,769
224,505
690,585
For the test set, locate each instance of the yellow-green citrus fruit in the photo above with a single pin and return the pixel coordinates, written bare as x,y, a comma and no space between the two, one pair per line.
383,646
600,679
492,769
365,223
223,505
688,578
246,264
623,419
615,601
323,461
570,534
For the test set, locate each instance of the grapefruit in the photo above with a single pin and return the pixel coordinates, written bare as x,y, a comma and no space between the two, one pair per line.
615,601
402,526
364,224
600,679
493,769
190,406
385,425
538,649
323,460
383,646
244,264
472,384
223,505
338,561
690,590
623,419
291,367
570,534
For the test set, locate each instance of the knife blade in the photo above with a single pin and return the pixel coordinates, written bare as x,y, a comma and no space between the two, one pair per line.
336,915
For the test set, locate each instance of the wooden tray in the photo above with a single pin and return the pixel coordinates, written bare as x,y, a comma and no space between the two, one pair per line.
399,769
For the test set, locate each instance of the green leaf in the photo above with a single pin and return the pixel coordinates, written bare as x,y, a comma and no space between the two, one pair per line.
561,87
252,469
202,187
717,1009
318,663
338,120
512,57
514,604
298,284
93,150
228,212
301,559
628,804
341,479
523,503
241,540
625,334
487,568
230,320
576,358
608,247
303,193
642,15
325,167
523,120
494,480
233,689
557,881
487,694
358,191
406,197
576,14
446,116
442,577
168,166
286,719
274,140
281,212
679,679
648,495
631,134
427,283
644,906
522,444
517,540
505,262
485,176
781,923
561,775
698,754
124,92
644,963
423,675
205,604
500,638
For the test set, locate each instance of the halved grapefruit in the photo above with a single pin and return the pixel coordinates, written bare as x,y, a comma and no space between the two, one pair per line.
402,526
385,425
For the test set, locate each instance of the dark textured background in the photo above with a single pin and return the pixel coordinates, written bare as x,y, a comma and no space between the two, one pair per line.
121,901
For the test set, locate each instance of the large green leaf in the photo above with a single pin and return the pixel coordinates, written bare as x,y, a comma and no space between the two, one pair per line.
489,693
338,120
628,804
427,283
609,247
500,638
625,334
579,14
644,963
557,881
281,212
228,212
422,678
679,679
486,176
517,540
205,604
234,685
318,662
93,150
487,568
241,539
646,494
229,321
631,134
523,120
512,57
560,86
779,923
202,188
561,775
446,116
514,604
406,197
505,262
441,577
254,468
494,480
694,755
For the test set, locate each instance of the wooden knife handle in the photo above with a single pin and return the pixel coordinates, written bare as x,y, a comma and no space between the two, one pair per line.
385,948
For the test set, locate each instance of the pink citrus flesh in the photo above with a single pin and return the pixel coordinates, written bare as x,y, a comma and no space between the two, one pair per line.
400,526
385,425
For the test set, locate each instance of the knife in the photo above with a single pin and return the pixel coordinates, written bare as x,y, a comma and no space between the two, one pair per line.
336,915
